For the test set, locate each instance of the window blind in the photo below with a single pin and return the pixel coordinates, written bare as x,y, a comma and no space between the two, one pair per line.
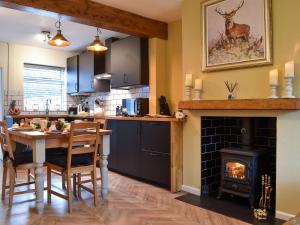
42,83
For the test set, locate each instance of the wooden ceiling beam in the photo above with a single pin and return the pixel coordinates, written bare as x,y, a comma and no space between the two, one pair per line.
93,14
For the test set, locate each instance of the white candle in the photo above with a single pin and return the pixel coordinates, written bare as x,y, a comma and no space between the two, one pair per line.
290,69
198,84
273,77
189,80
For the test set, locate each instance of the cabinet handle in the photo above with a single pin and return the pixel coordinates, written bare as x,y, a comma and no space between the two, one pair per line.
75,86
125,79
153,154
155,124
92,84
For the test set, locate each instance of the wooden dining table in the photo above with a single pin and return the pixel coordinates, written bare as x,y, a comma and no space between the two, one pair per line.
40,141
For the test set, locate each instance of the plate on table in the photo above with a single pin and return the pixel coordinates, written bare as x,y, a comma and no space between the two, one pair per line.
22,128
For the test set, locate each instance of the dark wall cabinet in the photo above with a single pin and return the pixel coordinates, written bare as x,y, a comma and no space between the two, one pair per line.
72,74
108,43
129,62
91,64
81,71
141,149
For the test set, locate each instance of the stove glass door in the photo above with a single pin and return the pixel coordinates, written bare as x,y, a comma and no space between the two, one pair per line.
235,170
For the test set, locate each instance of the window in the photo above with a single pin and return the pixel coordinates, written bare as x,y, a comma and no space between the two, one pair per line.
42,83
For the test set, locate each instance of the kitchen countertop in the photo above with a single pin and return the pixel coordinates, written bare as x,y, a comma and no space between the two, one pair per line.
159,119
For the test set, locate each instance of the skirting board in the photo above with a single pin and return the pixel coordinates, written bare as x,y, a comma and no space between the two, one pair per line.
191,190
283,215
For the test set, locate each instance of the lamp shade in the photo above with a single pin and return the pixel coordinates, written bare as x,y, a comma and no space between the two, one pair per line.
97,45
59,40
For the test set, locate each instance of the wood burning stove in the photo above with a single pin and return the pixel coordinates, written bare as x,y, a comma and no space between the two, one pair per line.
241,167
239,173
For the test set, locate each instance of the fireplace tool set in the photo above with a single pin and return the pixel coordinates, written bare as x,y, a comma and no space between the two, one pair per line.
265,200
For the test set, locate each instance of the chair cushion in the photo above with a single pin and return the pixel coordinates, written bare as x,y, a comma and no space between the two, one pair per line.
55,151
77,160
22,148
22,155
22,158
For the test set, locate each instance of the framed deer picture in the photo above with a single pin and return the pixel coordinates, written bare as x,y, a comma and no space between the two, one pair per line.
236,34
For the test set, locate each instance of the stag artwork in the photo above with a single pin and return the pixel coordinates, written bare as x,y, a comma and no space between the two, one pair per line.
234,31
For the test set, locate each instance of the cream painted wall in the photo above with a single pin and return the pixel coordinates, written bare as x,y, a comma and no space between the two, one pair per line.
3,62
20,54
253,83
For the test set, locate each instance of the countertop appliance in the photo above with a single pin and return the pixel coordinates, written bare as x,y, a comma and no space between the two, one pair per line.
136,107
73,110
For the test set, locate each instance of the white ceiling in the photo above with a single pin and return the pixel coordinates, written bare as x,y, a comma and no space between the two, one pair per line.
162,10
25,28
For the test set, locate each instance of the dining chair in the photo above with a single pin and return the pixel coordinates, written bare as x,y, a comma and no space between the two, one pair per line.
103,125
80,158
14,158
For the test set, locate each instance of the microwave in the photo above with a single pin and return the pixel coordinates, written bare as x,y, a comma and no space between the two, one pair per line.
136,107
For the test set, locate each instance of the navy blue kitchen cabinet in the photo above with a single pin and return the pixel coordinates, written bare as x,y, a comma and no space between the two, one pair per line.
129,63
141,149
91,64
72,74
155,152
125,143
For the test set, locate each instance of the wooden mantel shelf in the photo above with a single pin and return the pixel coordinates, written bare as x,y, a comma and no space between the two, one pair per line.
242,104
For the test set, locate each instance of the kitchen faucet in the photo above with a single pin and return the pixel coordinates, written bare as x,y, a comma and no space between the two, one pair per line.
48,102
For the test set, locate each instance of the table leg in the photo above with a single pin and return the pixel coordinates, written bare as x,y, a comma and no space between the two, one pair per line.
38,148
104,170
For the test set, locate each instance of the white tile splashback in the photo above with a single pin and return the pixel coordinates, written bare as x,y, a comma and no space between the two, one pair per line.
111,100
114,98
19,97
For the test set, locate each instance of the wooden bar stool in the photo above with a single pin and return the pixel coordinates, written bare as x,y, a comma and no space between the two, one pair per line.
14,159
80,158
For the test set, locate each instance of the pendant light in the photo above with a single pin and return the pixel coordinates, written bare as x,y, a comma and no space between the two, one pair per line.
59,40
97,45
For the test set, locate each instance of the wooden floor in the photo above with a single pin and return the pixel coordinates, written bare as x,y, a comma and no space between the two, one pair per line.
130,203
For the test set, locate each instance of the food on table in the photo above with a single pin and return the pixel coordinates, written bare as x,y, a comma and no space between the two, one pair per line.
15,125
59,125
36,126
12,108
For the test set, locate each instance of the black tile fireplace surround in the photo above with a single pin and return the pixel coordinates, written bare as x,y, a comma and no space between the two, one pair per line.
225,133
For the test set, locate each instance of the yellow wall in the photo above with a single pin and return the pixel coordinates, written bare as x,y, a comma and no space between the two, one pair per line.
253,83
157,72
165,62
174,65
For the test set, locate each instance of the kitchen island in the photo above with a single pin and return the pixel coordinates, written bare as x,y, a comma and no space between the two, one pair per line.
146,148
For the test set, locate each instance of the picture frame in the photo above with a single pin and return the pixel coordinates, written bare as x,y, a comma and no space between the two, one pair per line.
236,34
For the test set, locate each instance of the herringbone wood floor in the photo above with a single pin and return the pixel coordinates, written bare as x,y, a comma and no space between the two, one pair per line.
130,203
